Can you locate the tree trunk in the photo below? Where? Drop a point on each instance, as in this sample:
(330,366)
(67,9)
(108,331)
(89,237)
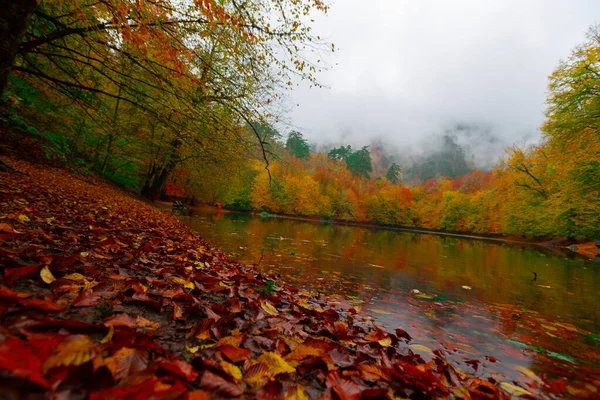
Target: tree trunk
(158,177)
(13,23)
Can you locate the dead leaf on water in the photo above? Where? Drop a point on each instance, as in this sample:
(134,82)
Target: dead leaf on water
(421,348)
(514,390)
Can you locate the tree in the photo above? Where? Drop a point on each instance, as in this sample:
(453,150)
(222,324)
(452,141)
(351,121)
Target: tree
(192,72)
(13,22)
(297,145)
(359,162)
(340,153)
(394,174)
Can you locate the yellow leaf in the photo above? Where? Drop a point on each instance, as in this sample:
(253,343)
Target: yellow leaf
(23,218)
(74,350)
(268,308)
(382,312)
(46,275)
(183,282)
(425,296)
(387,342)
(302,351)
(228,341)
(146,323)
(526,372)
(84,254)
(192,350)
(275,364)
(421,348)
(296,393)
(256,374)
(514,390)
(74,277)
(109,335)
(232,370)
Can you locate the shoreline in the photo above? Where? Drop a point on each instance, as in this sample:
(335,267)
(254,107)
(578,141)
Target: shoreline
(590,251)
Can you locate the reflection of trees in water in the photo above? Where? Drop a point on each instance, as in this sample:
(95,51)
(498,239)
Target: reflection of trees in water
(433,264)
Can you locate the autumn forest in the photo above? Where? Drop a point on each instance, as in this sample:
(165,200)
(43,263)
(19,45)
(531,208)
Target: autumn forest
(112,108)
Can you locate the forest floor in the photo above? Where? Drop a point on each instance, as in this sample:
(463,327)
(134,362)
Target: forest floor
(104,296)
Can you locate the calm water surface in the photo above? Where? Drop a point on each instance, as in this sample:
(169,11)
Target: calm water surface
(472,298)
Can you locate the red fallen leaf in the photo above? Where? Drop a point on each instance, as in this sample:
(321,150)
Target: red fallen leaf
(12,274)
(374,373)
(180,369)
(344,388)
(152,388)
(127,361)
(403,334)
(491,359)
(42,304)
(341,358)
(198,395)
(340,330)
(213,382)
(8,228)
(177,311)
(6,293)
(22,361)
(235,354)
(473,363)
(144,298)
(121,320)
(87,298)
(558,386)
(483,389)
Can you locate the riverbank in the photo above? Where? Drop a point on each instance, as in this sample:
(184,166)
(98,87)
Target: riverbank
(559,246)
(103,296)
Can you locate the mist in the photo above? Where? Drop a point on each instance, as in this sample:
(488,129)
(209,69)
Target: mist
(406,72)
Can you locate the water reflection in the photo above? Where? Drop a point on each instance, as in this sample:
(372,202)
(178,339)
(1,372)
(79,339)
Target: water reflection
(473,298)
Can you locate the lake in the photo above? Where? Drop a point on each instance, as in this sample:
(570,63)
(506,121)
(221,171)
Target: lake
(475,300)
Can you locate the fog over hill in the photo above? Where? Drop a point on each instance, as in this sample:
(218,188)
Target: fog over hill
(407,73)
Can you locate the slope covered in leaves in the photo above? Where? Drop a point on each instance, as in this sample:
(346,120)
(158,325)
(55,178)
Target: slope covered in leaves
(102,296)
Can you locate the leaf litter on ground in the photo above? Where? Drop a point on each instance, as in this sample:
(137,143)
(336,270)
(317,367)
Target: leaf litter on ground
(104,296)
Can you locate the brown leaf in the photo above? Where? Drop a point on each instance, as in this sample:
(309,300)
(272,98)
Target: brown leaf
(127,361)
(344,388)
(215,383)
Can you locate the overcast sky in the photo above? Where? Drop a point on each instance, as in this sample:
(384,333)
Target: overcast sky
(409,68)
